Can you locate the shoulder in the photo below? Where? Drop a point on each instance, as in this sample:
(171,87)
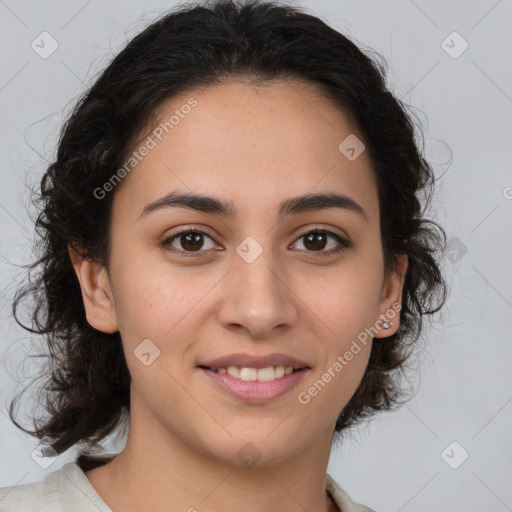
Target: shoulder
(62,490)
(43,496)
(342,499)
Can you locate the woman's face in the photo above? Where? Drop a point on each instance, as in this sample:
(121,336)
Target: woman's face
(248,282)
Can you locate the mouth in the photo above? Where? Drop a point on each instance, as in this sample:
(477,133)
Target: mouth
(254,378)
(251,385)
(250,374)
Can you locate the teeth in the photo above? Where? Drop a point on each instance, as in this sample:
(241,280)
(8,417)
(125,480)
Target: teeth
(248,374)
(233,371)
(262,374)
(268,373)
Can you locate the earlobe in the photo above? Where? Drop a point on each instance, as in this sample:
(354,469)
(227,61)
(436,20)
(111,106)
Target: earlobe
(96,292)
(391,300)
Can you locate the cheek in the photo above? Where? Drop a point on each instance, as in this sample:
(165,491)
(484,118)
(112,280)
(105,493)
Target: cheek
(327,393)
(345,302)
(345,306)
(150,300)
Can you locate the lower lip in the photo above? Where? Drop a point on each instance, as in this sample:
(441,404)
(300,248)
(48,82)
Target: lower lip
(255,391)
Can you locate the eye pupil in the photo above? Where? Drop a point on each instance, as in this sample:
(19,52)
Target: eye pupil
(315,236)
(195,237)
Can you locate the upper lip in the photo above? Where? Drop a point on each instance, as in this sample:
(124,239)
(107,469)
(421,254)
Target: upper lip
(249,361)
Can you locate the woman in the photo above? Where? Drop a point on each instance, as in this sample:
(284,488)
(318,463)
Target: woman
(234,261)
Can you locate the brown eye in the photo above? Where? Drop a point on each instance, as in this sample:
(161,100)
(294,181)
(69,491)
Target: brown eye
(191,241)
(188,240)
(317,240)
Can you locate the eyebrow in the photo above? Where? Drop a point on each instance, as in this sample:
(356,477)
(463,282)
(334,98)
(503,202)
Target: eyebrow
(292,206)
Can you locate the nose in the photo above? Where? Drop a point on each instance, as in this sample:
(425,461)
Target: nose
(258,297)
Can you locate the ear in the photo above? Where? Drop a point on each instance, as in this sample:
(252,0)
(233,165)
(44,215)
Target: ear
(391,299)
(96,292)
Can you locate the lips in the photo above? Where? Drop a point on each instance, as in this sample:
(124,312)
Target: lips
(249,361)
(254,391)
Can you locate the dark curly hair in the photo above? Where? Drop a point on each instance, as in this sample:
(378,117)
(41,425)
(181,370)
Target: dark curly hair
(195,45)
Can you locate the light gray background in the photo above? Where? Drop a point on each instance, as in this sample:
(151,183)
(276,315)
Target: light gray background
(463,384)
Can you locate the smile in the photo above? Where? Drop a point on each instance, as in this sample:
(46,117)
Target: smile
(247,385)
(250,374)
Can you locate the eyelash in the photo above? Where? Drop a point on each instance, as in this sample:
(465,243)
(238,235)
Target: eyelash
(343,243)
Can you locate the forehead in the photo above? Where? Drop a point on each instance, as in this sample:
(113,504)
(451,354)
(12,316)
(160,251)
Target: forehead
(249,141)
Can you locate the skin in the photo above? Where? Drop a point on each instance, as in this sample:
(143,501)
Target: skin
(253,145)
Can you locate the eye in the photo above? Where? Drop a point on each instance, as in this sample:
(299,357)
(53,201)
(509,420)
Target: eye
(317,240)
(192,240)
(189,240)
